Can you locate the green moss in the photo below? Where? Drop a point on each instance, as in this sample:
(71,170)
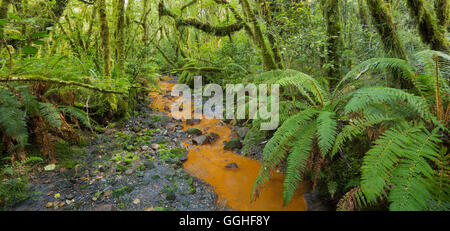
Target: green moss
(122,191)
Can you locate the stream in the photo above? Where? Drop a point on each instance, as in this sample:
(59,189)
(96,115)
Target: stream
(232,185)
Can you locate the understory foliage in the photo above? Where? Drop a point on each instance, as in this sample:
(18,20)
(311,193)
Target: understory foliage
(406,162)
(364,103)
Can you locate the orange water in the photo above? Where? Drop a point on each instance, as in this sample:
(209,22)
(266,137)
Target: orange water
(233,186)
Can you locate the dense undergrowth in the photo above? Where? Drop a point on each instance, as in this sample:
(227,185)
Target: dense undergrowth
(364,104)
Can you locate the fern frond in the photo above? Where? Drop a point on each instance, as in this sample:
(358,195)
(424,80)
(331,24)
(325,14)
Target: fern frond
(357,127)
(276,149)
(13,123)
(380,160)
(411,177)
(374,95)
(326,131)
(386,65)
(305,84)
(297,159)
(51,114)
(12,120)
(77,113)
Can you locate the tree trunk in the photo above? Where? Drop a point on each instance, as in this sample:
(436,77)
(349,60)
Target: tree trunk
(427,25)
(383,22)
(268,60)
(362,10)
(443,12)
(4,14)
(120,37)
(334,41)
(104,34)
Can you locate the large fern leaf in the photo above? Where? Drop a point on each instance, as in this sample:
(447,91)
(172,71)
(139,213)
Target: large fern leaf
(297,159)
(326,131)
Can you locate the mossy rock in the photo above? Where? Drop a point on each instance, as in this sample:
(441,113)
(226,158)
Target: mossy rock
(233,144)
(194,131)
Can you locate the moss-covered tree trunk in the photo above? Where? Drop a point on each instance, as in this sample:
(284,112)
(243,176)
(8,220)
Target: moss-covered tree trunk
(334,41)
(120,37)
(442,8)
(104,34)
(384,23)
(268,7)
(363,16)
(268,60)
(427,25)
(4,14)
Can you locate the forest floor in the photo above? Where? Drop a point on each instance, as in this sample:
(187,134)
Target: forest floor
(133,166)
(138,165)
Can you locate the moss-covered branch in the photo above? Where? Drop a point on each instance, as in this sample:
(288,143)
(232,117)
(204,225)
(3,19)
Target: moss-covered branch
(41,79)
(205,27)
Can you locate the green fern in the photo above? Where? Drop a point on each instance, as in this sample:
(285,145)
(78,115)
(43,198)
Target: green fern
(77,113)
(399,158)
(296,161)
(326,131)
(51,114)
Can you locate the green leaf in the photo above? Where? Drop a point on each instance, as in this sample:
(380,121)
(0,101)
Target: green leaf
(29,50)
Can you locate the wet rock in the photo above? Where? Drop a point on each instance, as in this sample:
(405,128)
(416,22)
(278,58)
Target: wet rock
(105,207)
(145,148)
(129,171)
(136,201)
(192,121)
(156,147)
(242,131)
(170,196)
(194,131)
(136,128)
(233,144)
(183,158)
(231,165)
(149,164)
(212,137)
(199,140)
(69,196)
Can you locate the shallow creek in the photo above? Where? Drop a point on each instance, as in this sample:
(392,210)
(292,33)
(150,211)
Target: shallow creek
(232,185)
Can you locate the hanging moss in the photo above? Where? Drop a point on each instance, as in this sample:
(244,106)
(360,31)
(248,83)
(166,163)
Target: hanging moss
(427,25)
